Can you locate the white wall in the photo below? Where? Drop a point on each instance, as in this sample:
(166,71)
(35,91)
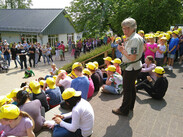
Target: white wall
(78,36)
(45,39)
(11,37)
(63,37)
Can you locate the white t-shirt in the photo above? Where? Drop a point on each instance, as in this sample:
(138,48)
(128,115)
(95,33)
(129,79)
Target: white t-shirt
(49,51)
(54,71)
(82,118)
(117,81)
(162,48)
(66,83)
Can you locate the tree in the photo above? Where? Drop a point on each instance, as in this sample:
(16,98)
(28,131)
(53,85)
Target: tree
(97,16)
(15,4)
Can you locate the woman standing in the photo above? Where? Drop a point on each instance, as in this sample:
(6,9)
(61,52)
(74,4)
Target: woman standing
(132,52)
(44,54)
(6,51)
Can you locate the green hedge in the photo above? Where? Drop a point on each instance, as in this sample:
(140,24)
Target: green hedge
(88,55)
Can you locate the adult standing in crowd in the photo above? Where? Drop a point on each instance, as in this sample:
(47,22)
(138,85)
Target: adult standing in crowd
(49,52)
(132,52)
(14,52)
(32,51)
(6,51)
(69,45)
(22,54)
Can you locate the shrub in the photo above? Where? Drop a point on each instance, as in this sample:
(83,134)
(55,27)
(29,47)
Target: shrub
(89,55)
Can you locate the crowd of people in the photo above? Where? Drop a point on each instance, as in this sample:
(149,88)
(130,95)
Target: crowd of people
(25,52)
(138,65)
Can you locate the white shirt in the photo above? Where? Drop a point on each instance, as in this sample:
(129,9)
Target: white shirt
(82,118)
(66,83)
(162,48)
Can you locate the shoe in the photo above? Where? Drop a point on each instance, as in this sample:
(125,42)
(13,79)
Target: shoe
(170,68)
(167,66)
(119,112)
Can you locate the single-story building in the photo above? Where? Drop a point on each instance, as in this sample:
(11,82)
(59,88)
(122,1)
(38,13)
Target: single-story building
(36,25)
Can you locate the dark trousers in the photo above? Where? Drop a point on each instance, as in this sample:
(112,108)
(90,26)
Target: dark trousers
(129,91)
(23,61)
(149,88)
(142,76)
(32,58)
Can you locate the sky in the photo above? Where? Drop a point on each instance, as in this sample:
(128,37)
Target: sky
(50,3)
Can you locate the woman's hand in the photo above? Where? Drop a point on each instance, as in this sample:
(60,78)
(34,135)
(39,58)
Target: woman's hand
(57,119)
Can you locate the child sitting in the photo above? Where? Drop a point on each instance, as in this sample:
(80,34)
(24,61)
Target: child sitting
(114,81)
(87,73)
(147,68)
(116,62)
(28,73)
(155,89)
(12,120)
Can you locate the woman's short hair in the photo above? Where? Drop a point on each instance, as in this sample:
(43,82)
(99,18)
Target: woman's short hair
(130,22)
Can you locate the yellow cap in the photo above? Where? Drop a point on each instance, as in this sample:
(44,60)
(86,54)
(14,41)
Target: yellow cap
(76,64)
(51,83)
(176,32)
(179,29)
(111,68)
(163,38)
(158,32)
(117,39)
(35,87)
(3,100)
(9,111)
(108,59)
(160,35)
(167,36)
(86,71)
(141,31)
(159,70)
(124,37)
(91,66)
(13,93)
(156,35)
(61,71)
(96,64)
(73,73)
(55,77)
(116,60)
(146,36)
(42,82)
(169,32)
(69,93)
(151,36)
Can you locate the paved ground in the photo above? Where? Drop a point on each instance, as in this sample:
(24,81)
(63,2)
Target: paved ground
(150,118)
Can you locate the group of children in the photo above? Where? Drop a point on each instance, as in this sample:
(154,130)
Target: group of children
(72,90)
(163,46)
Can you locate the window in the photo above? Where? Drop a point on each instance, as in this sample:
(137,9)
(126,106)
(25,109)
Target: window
(70,36)
(29,38)
(52,39)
